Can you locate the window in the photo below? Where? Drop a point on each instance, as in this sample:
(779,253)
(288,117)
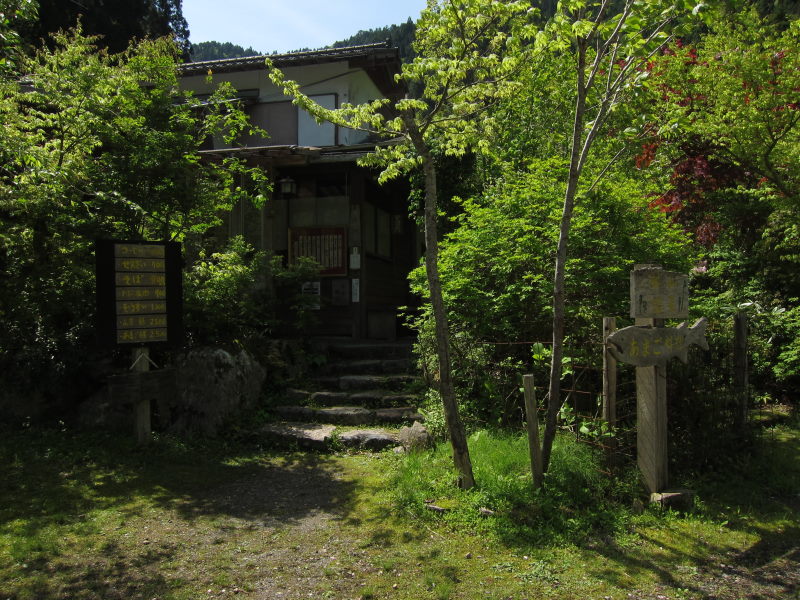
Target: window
(311,133)
(377,231)
(320,202)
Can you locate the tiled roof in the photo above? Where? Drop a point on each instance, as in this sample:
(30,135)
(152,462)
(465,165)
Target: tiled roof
(308,153)
(380,50)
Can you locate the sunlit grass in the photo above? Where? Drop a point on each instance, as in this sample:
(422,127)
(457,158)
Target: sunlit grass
(96,517)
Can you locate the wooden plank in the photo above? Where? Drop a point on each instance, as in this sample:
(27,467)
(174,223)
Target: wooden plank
(647,346)
(532,421)
(140,250)
(740,369)
(651,422)
(658,294)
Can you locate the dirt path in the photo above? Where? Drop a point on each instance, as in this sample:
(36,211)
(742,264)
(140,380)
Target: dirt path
(315,526)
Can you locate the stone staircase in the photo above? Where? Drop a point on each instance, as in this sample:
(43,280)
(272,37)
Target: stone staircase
(358,399)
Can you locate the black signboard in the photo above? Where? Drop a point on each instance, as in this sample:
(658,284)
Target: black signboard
(139,292)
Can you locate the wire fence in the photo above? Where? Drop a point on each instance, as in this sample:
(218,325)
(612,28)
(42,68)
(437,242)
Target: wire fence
(701,403)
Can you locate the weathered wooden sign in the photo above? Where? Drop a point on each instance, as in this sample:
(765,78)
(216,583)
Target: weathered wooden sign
(138,292)
(659,294)
(650,346)
(655,295)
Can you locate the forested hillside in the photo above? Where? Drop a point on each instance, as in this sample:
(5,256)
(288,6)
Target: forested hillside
(117,23)
(218,50)
(399,36)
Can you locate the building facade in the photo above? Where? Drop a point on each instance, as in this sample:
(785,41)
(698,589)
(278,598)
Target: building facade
(323,205)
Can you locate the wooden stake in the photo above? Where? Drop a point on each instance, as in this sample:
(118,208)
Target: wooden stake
(740,374)
(609,375)
(532,420)
(141,364)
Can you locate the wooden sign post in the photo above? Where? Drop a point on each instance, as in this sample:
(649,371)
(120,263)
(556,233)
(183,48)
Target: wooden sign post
(139,305)
(655,296)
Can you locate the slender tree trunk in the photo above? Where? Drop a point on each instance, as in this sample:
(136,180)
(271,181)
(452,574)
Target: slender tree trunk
(455,428)
(556,365)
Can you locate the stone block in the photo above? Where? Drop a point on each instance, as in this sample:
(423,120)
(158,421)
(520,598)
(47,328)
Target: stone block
(416,437)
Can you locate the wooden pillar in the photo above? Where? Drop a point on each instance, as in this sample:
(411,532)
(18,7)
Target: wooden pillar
(740,370)
(532,421)
(609,375)
(141,364)
(356,189)
(651,421)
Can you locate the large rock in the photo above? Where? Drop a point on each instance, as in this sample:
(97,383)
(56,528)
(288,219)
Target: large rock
(415,437)
(212,385)
(205,388)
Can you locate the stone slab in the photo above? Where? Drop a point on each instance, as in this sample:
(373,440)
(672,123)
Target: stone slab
(369,439)
(382,398)
(346,415)
(374,366)
(328,398)
(314,436)
(369,382)
(295,413)
(402,414)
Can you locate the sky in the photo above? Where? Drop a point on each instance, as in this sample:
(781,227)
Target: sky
(286,25)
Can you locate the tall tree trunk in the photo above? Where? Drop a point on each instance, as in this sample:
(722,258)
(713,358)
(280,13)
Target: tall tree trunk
(455,427)
(556,364)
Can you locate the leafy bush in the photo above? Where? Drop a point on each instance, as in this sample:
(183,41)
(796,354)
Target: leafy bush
(496,271)
(239,294)
(88,152)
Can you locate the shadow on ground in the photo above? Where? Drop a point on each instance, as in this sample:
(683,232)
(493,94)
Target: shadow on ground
(758,497)
(60,492)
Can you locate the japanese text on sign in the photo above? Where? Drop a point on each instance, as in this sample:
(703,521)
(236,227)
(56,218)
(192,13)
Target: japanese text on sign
(138,292)
(140,278)
(657,294)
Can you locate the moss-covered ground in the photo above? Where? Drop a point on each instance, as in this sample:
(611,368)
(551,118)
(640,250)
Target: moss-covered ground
(93,516)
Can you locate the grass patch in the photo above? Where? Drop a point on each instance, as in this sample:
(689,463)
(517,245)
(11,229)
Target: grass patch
(92,516)
(578,501)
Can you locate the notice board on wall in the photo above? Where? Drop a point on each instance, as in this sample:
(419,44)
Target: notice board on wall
(326,245)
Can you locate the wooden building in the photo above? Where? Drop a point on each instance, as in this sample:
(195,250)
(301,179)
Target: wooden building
(324,205)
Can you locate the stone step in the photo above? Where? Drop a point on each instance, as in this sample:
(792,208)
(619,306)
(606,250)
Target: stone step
(368,439)
(381,399)
(374,366)
(365,382)
(308,436)
(315,436)
(349,415)
(369,350)
(366,398)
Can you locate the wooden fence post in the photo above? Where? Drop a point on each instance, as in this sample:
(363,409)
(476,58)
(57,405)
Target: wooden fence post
(609,375)
(532,421)
(141,364)
(740,369)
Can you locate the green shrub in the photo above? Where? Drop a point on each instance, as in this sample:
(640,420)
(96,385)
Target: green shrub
(240,293)
(496,272)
